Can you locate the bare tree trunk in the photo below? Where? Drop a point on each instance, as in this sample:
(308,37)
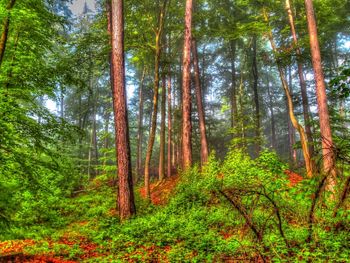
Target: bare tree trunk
(296,124)
(162,131)
(325,128)
(126,204)
(256,97)
(186,89)
(291,129)
(273,127)
(233,95)
(6,27)
(106,139)
(140,126)
(170,141)
(152,134)
(201,112)
(305,100)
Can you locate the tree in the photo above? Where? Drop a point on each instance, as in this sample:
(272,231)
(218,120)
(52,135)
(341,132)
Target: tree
(199,98)
(325,128)
(126,205)
(186,89)
(305,100)
(152,134)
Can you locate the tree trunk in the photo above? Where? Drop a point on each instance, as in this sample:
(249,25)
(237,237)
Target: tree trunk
(325,128)
(6,27)
(170,141)
(152,133)
(297,126)
(256,97)
(162,131)
(305,100)
(140,127)
(201,112)
(186,89)
(126,205)
(233,95)
(273,127)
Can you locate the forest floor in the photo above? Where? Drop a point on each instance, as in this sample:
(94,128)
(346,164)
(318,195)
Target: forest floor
(72,244)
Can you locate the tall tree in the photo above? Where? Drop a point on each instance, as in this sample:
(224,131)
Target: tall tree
(256,93)
(305,100)
(162,130)
(170,137)
(152,135)
(325,128)
(186,89)
(293,119)
(140,126)
(199,98)
(126,204)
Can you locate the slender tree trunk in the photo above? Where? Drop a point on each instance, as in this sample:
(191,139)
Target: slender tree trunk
(305,100)
(152,133)
(201,111)
(291,130)
(162,131)
(140,127)
(95,144)
(6,28)
(325,128)
(256,97)
(233,97)
(170,141)
(126,204)
(273,127)
(106,139)
(297,126)
(186,89)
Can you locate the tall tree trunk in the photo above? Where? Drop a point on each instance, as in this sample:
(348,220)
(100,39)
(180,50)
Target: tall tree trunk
(170,141)
(291,129)
(161,169)
(256,96)
(186,89)
(126,204)
(273,127)
(6,27)
(140,127)
(152,133)
(296,124)
(233,95)
(201,112)
(106,139)
(305,100)
(325,128)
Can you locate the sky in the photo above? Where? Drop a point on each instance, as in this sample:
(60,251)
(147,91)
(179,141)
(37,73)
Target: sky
(77,6)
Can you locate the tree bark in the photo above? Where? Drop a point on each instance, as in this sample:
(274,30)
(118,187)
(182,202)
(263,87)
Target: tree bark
(201,111)
(296,124)
(170,141)
(325,128)
(256,97)
(126,204)
(140,126)
(233,95)
(6,28)
(273,127)
(186,89)
(152,133)
(162,131)
(304,97)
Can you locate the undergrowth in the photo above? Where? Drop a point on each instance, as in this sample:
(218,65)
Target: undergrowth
(240,208)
